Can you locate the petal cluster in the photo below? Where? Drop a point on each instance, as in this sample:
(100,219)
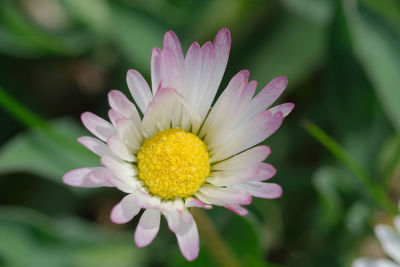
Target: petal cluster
(390,240)
(182,91)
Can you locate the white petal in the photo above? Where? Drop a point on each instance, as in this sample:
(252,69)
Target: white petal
(104,174)
(364,262)
(192,72)
(193,202)
(81,178)
(397,223)
(216,63)
(217,123)
(173,219)
(167,109)
(261,172)
(171,70)
(119,148)
(95,145)
(125,210)
(155,69)
(262,190)
(101,128)
(119,102)
(139,89)
(253,132)
(246,159)
(226,195)
(267,96)
(188,240)
(147,228)
(114,116)
(130,134)
(390,241)
(171,41)
(239,210)
(285,108)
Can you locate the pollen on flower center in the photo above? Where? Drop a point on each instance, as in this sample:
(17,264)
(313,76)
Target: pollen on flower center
(173,163)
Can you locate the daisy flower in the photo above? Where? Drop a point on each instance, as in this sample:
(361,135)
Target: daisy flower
(181,153)
(390,240)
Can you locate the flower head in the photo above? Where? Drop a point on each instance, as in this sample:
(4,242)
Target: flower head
(182,153)
(390,240)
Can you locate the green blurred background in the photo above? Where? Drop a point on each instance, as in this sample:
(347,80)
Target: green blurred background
(59,58)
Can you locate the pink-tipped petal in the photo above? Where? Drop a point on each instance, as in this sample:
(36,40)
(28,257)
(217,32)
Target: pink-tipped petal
(101,128)
(114,116)
(226,194)
(188,240)
(171,69)
(147,228)
(139,89)
(81,178)
(173,219)
(246,159)
(119,148)
(155,69)
(195,203)
(94,145)
(171,41)
(268,95)
(285,108)
(119,102)
(262,190)
(129,133)
(250,134)
(239,210)
(125,210)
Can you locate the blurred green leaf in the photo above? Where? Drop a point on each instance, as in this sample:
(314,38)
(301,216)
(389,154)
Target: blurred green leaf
(374,190)
(293,49)
(20,37)
(35,153)
(377,46)
(317,11)
(28,238)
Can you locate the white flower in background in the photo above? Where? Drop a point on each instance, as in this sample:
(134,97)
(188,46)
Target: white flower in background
(390,240)
(184,154)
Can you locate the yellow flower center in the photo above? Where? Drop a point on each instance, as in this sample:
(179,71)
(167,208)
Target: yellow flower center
(173,163)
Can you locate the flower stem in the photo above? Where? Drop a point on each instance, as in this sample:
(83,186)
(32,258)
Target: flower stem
(216,247)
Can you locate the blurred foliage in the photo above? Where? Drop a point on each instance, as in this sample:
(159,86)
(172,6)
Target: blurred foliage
(342,58)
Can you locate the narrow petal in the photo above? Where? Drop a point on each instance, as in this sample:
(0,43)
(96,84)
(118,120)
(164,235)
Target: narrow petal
(95,145)
(171,70)
(188,240)
(130,134)
(217,123)
(81,178)
(139,89)
(250,134)
(125,210)
(267,96)
(262,190)
(171,41)
(246,159)
(364,262)
(147,228)
(155,69)
(104,174)
(114,116)
(173,219)
(226,195)
(195,203)
(239,210)
(101,128)
(192,71)
(119,148)
(260,172)
(168,108)
(390,241)
(285,108)
(119,102)
(118,166)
